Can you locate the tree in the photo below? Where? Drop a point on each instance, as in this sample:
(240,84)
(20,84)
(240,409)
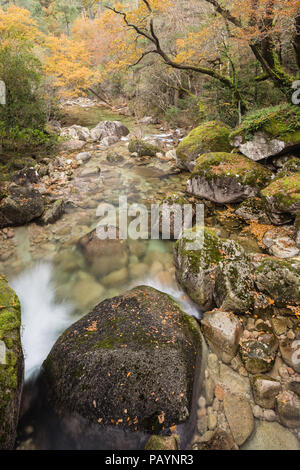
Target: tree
(259,24)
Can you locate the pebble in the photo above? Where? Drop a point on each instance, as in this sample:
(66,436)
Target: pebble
(269,415)
(212,421)
(201,403)
(291,335)
(257,412)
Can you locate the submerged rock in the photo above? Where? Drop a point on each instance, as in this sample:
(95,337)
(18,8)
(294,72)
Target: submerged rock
(20,205)
(271,436)
(268,132)
(53,212)
(11,365)
(227,177)
(131,357)
(239,416)
(162,443)
(265,390)
(288,408)
(209,137)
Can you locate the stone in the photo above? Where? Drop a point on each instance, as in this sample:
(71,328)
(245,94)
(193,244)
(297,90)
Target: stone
(258,356)
(280,280)
(233,382)
(268,132)
(142,148)
(209,137)
(219,440)
(212,421)
(106,129)
(265,390)
(279,325)
(253,209)
(288,409)
(279,242)
(114,157)
(131,357)
(197,262)
(53,212)
(72,145)
(271,436)
(239,416)
(84,156)
(11,365)
(115,278)
(223,331)
(76,132)
(290,352)
(226,178)
(20,206)
(297,230)
(282,199)
(209,386)
(162,443)
(103,256)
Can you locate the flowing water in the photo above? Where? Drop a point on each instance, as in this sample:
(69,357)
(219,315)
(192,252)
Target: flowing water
(55,283)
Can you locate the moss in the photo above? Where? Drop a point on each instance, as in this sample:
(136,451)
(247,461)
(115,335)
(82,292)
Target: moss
(281,122)
(211,136)
(285,190)
(142,148)
(232,165)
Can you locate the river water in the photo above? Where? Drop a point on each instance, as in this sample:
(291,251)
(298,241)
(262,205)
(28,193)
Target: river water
(55,283)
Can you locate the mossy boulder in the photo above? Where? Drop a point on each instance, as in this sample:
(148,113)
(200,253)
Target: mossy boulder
(212,136)
(142,148)
(11,364)
(214,272)
(279,280)
(162,443)
(20,206)
(253,209)
(132,357)
(282,198)
(227,178)
(268,132)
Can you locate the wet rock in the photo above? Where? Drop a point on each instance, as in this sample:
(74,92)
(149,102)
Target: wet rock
(142,148)
(280,280)
(265,389)
(297,230)
(53,212)
(197,262)
(258,138)
(271,436)
(288,409)
(162,443)
(103,256)
(227,178)
(280,243)
(223,331)
(279,325)
(239,416)
(27,176)
(106,129)
(76,132)
(218,440)
(114,157)
(170,217)
(208,137)
(258,356)
(115,278)
(131,357)
(282,199)
(20,206)
(11,365)
(290,352)
(233,382)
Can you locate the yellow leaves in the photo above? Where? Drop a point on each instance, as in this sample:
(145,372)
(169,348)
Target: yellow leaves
(16,25)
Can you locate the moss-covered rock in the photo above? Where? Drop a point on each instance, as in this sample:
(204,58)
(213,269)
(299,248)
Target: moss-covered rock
(297,230)
(253,209)
(268,132)
(280,280)
(11,364)
(227,177)
(142,148)
(282,198)
(131,357)
(265,389)
(214,272)
(162,443)
(211,136)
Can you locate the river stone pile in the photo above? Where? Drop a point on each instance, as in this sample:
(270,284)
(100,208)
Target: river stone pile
(130,358)
(11,365)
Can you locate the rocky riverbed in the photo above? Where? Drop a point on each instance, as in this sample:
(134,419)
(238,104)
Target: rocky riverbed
(232,363)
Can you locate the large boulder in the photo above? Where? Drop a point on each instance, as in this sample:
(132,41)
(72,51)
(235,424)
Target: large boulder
(279,280)
(76,132)
(11,365)
(103,256)
(19,206)
(214,272)
(106,129)
(227,178)
(132,358)
(282,199)
(209,137)
(268,132)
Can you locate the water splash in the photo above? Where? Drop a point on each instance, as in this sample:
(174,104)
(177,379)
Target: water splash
(43,318)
